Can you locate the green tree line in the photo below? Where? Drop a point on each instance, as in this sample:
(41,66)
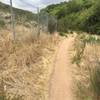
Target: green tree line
(77,15)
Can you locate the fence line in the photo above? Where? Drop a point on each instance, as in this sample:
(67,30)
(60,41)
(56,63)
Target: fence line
(24,23)
(12,19)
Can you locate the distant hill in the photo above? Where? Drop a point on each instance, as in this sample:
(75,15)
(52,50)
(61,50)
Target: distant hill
(21,16)
(77,15)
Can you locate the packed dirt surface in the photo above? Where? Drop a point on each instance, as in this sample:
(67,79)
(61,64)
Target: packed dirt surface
(61,78)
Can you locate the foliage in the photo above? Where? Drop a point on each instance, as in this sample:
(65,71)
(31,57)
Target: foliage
(80,45)
(87,76)
(52,24)
(2,23)
(77,15)
(81,41)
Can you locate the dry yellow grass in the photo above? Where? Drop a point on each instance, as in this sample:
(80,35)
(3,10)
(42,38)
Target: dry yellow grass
(24,66)
(86,74)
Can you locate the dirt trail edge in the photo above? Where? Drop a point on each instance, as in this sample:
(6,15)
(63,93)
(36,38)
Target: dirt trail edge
(61,78)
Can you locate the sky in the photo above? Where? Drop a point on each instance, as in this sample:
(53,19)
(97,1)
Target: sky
(31,5)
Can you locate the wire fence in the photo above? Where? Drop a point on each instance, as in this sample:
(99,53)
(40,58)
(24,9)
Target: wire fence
(23,23)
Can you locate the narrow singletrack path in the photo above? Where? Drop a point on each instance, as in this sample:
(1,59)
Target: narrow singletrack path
(61,78)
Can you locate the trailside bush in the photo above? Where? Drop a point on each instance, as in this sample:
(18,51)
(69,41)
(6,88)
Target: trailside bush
(52,25)
(2,23)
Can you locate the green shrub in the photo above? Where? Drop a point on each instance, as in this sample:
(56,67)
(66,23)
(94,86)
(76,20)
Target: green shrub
(2,98)
(87,85)
(2,23)
(95,81)
(52,24)
(80,44)
(63,34)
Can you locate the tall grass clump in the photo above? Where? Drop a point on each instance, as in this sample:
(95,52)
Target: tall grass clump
(87,71)
(80,44)
(2,23)
(24,67)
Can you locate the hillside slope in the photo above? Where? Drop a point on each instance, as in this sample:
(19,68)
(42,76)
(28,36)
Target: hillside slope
(77,15)
(21,16)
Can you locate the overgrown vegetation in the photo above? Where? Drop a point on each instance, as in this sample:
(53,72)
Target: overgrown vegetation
(21,16)
(2,23)
(24,67)
(77,15)
(52,24)
(87,70)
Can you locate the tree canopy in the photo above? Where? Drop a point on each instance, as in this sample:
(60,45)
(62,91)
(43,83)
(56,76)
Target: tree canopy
(77,15)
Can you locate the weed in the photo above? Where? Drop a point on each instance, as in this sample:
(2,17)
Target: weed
(87,76)
(24,66)
(2,23)
(80,44)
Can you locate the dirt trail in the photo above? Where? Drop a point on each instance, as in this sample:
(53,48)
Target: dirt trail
(61,79)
